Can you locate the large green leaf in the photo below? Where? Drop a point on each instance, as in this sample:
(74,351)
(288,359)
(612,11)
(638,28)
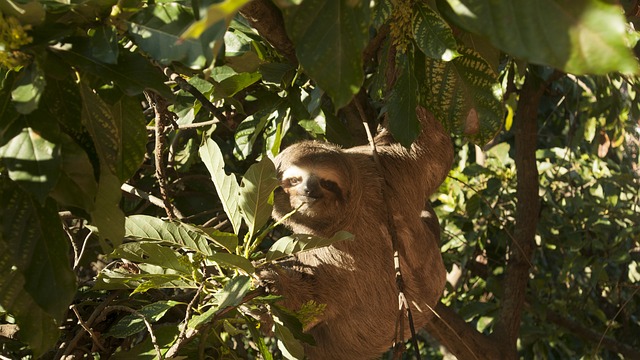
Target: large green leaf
(157,29)
(579,36)
(130,122)
(76,185)
(101,124)
(256,200)
(32,161)
(403,121)
(295,243)
(173,233)
(37,284)
(108,216)
(226,185)
(330,36)
(432,34)
(465,94)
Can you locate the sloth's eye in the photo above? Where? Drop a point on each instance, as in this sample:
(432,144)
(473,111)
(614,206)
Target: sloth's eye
(294,181)
(330,185)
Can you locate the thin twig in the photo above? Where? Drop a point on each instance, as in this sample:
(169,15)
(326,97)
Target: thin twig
(184,85)
(64,351)
(159,105)
(86,328)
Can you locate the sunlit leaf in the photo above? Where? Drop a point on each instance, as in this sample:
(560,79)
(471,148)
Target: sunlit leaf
(174,233)
(226,185)
(256,200)
(568,35)
(221,12)
(464,93)
(28,89)
(32,161)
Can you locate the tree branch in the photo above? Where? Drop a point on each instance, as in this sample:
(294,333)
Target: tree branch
(265,17)
(527,212)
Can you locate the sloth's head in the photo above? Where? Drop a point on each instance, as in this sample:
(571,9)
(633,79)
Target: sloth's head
(315,178)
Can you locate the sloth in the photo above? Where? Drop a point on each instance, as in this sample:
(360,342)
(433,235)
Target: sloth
(342,189)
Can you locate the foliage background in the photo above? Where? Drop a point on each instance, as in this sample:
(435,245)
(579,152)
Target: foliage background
(135,179)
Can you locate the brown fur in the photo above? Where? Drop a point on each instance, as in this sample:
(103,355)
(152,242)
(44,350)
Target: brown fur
(355,279)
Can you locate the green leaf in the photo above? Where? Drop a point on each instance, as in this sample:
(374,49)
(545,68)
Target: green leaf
(174,233)
(34,263)
(157,28)
(32,161)
(133,73)
(249,131)
(104,44)
(295,243)
(568,35)
(233,292)
(101,124)
(108,216)
(231,295)
(590,129)
(256,200)
(403,120)
(114,280)
(133,324)
(226,185)
(234,84)
(465,94)
(432,34)
(155,253)
(76,185)
(217,13)
(330,36)
(130,123)
(290,347)
(28,89)
(233,260)
(228,241)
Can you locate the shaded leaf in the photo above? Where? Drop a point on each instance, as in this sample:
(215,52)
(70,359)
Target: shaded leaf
(76,185)
(295,243)
(432,34)
(130,122)
(34,263)
(401,108)
(330,36)
(133,73)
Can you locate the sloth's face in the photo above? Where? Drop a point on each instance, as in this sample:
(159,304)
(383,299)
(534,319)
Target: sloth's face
(314,191)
